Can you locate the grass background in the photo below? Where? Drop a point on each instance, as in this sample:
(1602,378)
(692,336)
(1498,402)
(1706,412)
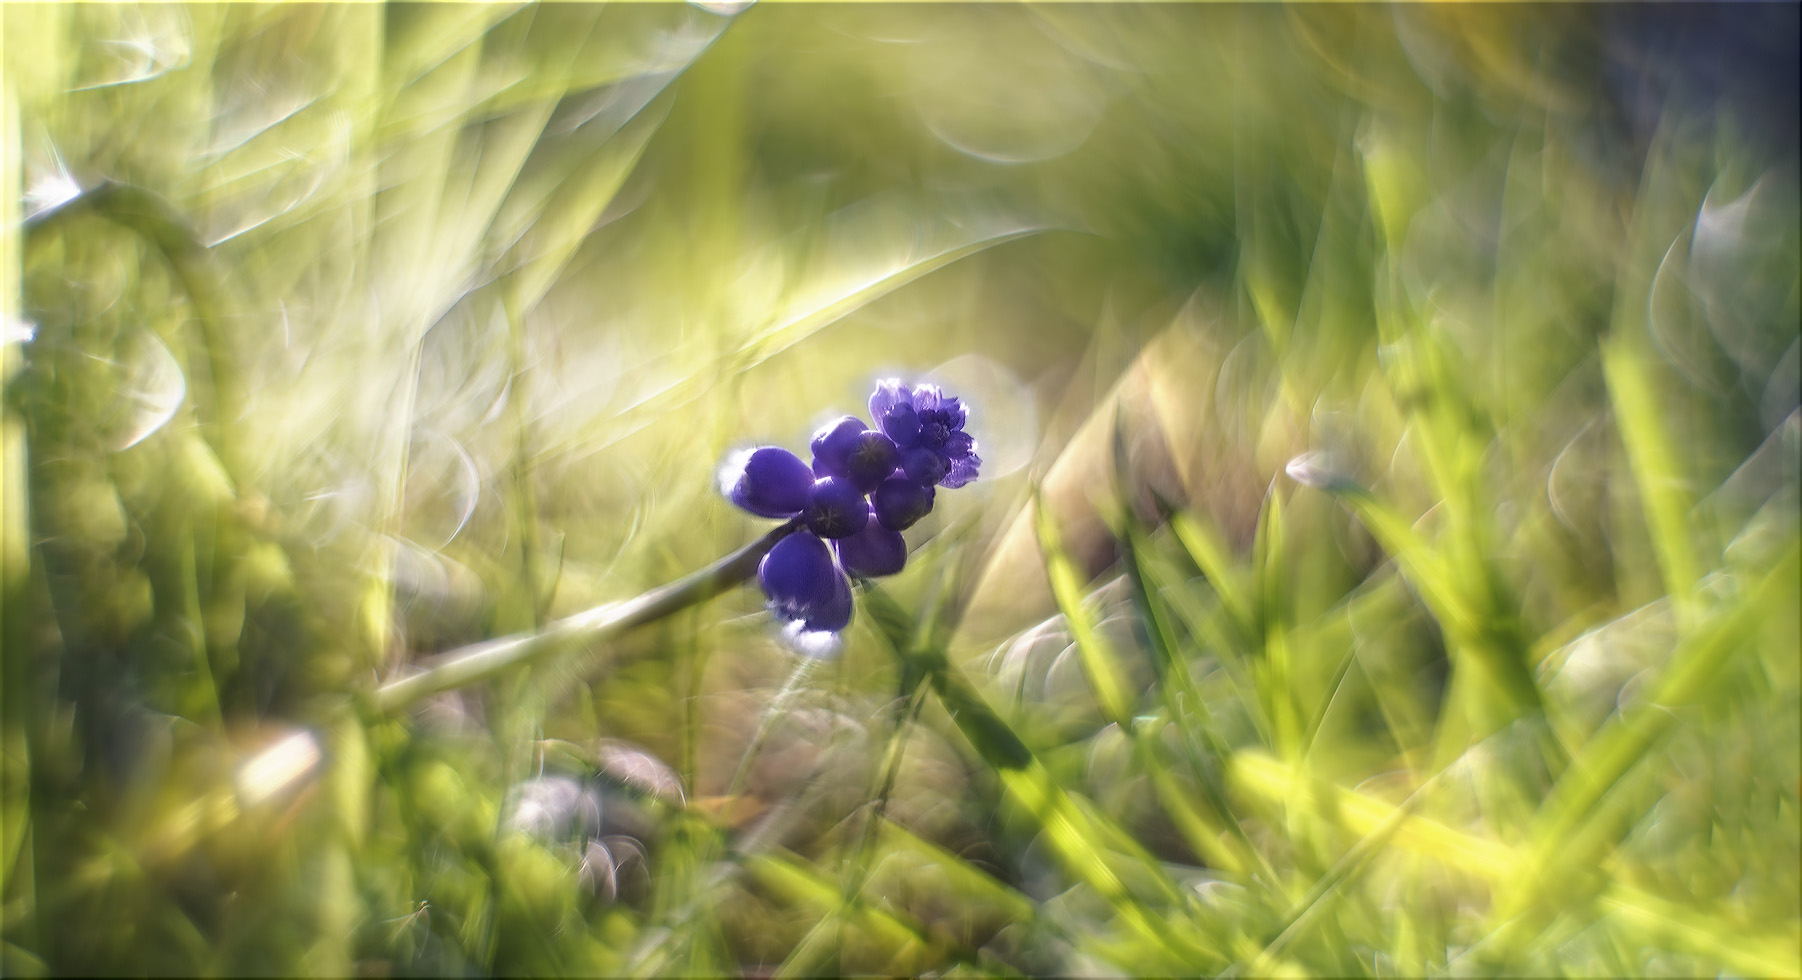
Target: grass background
(1386,560)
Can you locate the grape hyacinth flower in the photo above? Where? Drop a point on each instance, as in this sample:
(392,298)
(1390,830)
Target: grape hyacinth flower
(928,429)
(864,487)
(835,508)
(872,552)
(899,502)
(768,481)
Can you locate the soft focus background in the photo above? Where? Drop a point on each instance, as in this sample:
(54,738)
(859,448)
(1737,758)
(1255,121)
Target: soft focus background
(1385,562)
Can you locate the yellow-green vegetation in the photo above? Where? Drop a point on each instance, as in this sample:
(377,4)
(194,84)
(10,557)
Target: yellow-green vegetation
(1385,559)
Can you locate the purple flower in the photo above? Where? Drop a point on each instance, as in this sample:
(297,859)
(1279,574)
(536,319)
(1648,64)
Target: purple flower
(800,575)
(832,445)
(928,429)
(806,588)
(767,481)
(848,450)
(925,467)
(866,484)
(873,551)
(900,502)
(836,508)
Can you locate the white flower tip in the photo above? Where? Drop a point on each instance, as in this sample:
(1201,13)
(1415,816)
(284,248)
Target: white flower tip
(812,644)
(733,470)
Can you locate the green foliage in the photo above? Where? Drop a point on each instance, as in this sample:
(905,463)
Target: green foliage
(1385,562)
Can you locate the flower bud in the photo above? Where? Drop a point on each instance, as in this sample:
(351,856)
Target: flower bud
(767,481)
(833,444)
(900,503)
(872,459)
(925,466)
(806,589)
(873,551)
(836,508)
(798,576)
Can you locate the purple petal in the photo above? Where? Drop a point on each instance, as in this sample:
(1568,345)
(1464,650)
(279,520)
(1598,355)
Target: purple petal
(899,503)
(962,472)
(798,576)
(835,614)
(925,466)
(959,444)
(833,443)
(807,590)
(871,460)
(836,508)
(955,413)
(873,551)
(933,430)
(890,395)
(901,425)
(926,398)
(768,481)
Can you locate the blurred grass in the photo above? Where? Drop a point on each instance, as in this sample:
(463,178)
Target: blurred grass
(1386,560)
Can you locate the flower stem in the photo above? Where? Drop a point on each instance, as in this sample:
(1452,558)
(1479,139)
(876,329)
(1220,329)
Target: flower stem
(490,658)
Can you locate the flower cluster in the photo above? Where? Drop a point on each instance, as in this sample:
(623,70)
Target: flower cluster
(866,485)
